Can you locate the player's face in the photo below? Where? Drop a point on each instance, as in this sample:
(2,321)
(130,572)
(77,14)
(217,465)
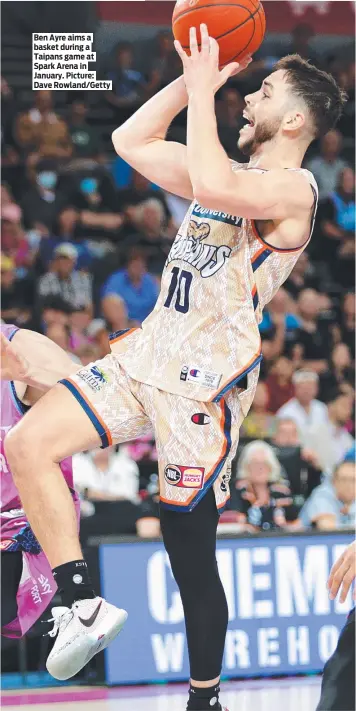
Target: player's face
(265,110)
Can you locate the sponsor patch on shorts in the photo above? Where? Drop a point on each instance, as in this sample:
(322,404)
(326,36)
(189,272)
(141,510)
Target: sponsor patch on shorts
(205,378)
(94,377)
(184,477)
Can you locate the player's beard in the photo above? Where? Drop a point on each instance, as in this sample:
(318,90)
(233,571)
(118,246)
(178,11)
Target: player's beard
(264,133)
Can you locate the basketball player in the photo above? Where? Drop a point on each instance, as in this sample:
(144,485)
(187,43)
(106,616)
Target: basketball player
(338,686)
(30,365)
(191,370)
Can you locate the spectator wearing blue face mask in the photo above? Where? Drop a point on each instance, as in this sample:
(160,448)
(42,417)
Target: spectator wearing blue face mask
(42,203)
(98,219)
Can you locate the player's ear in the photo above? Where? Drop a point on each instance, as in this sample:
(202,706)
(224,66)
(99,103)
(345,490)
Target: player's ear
(294,121)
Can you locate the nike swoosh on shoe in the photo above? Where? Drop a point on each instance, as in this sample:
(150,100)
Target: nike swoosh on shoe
(90,621)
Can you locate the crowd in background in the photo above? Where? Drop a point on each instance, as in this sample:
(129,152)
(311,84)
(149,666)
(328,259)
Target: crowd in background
(84,243)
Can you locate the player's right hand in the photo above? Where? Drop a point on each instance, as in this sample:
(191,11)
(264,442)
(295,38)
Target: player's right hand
(343,573)
(13,365)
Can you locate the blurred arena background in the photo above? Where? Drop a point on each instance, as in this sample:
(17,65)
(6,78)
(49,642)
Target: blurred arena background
(84,242)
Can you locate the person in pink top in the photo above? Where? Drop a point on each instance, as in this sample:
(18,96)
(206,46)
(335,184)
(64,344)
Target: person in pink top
(30,365)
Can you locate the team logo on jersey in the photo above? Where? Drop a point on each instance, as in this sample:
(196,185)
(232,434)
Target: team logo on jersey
(225,480)
(200,418)
(94,377)
(184,477)
(206,258)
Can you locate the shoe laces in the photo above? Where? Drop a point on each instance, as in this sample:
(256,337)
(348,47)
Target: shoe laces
(59,621)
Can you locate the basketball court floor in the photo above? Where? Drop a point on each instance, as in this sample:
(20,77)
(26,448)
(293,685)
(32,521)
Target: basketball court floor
(264,695)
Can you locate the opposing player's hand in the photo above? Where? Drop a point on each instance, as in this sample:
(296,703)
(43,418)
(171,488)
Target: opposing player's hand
(343,573)
(13,365)
(201,69)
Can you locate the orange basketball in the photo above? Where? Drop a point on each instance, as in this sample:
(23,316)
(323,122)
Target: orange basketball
(239,27)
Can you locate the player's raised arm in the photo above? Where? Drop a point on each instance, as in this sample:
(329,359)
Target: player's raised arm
(141,141)
(34,362)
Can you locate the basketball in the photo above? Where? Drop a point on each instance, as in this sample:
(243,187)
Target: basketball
(239,27)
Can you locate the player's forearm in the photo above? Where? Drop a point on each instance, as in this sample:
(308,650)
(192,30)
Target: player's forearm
(208,164)
(45,377)
(152,120)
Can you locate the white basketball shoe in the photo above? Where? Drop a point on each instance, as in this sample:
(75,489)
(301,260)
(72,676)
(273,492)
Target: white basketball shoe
(83,630)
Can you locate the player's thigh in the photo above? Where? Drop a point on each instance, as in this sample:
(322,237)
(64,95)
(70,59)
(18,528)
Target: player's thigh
(195,442)
(94,407)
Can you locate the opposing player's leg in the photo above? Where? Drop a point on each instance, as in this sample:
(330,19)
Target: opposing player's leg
(92,408)
(338,685)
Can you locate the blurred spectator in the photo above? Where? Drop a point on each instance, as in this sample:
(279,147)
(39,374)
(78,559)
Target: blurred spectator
(42,202)
(332,504)
(9,208)
(60,334)
(286,438)
(98,219)
(337,218)
(98,335)
(348,322)
(279,324)
(328,166)
(259,423)
(312,335)
(279,384)
(106,475)
(304,408)
(14,242)
(301,277)
(164,67)
(108,479)
(148,520)
(229,110)
(128,85)
(41,132)
(64,280)
(151,238)
(16,294)
(339,373)
(115,313)
(8,111)
(330,438)
(302,35)
(85,138)
(140,190)
(55,310)
(137,288)
(261,498)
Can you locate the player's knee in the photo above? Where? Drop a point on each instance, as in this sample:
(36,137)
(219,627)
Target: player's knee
(23,446)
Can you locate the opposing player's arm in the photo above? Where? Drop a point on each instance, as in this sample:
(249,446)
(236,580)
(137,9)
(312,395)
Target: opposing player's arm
(34,363)
(140,141)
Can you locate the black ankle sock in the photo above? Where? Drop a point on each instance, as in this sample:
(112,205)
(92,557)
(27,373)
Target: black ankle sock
(73,582)
(201,699)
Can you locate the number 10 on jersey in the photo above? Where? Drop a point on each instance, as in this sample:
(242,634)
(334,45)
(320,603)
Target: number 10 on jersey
(179,287)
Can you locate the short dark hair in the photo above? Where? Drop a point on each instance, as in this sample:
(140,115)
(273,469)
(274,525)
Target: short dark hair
(322,95)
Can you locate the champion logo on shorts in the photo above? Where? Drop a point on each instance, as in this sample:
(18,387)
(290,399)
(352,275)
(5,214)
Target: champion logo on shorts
(184,477)
(200,418)
(94,377)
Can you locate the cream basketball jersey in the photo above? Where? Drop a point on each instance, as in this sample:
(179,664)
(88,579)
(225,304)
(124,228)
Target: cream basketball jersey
(202,337)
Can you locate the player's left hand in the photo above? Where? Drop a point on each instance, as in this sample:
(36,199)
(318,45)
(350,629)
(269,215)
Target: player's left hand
(13,365)
(343,573)
(201,69)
